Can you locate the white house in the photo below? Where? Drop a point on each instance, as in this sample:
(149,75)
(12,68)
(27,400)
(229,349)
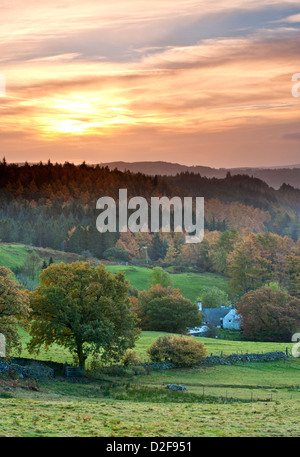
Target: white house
(223,317)
(232,320)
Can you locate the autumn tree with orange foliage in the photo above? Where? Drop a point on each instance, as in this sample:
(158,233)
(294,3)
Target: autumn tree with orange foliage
(269,314)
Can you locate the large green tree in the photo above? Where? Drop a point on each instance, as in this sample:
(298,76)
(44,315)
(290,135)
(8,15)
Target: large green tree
(165,309)
(14,307)
(86,309)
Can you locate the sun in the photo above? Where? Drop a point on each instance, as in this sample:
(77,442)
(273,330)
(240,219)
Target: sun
(81,115)
(71,126)
(68,116)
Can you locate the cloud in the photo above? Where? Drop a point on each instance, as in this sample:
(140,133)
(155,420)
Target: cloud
(294,19)
(93,75)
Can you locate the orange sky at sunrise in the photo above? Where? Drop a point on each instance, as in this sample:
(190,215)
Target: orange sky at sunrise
(193,82)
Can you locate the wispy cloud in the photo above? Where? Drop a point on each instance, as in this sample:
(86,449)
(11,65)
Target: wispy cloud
(112,76)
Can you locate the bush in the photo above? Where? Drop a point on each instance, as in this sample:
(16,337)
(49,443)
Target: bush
(212,332)
(178,350)
(130,358)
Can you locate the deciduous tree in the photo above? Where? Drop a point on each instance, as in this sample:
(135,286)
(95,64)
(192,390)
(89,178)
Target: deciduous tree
(160,276)
(85,309)
(165,309)
(269,314)
(213,297)
(14,307)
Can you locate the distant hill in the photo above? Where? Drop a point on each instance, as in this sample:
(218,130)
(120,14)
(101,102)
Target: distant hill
(273,176)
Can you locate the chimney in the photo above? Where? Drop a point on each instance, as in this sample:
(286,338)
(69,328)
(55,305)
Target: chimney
(199,303)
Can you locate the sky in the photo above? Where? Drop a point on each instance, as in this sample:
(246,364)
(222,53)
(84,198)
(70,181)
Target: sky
(191,82)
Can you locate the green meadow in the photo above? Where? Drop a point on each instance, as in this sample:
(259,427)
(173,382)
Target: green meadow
(256,400)
(57,353)
(190,284)
(244,399)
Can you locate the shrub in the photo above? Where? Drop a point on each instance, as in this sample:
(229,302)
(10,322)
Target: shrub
(130,358)
(178,350)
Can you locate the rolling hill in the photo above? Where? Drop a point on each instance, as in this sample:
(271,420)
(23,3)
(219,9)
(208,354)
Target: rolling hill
(273,176)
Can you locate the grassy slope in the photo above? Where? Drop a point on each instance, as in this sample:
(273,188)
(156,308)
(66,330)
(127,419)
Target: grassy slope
(13,255)
(190,284)
(141,406)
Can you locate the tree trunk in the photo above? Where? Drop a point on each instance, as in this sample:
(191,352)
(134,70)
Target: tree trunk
(80,354)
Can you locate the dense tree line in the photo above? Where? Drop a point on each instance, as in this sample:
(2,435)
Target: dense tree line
(54,205)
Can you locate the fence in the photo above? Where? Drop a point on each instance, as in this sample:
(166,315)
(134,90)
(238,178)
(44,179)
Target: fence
(71,371)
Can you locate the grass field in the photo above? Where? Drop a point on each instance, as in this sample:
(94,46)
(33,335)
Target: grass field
(70,417)
(76,417)
(244,399)
(215,346)
(265,403)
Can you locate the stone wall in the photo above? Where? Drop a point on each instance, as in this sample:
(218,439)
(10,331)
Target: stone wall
(31,369)
(225,360)
(253,357)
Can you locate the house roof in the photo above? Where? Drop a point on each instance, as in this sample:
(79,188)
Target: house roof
(213,316)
